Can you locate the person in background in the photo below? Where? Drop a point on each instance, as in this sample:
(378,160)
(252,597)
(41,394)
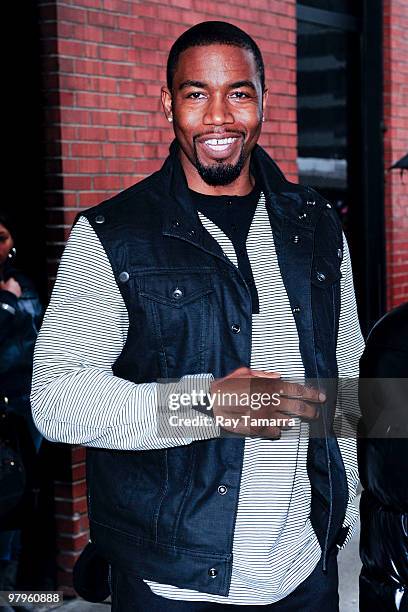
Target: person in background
(383,464)
(20,317)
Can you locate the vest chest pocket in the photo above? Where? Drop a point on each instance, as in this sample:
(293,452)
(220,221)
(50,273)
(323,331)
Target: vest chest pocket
(325,271)
(177,314)
(174,290)
(325,279)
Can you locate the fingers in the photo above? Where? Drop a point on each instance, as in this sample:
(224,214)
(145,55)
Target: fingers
(297,391)
(298,408)
(262,374)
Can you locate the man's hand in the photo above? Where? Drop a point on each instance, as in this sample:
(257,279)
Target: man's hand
(11,285)
(269,398)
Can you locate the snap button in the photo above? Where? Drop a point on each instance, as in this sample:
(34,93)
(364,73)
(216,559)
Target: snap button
(320,276)
(222,489)
(295,239)
(99,219)
(296,309)
(339,253)
(177,294)
(303,216)
(124,277)
(213,572)
(235,328)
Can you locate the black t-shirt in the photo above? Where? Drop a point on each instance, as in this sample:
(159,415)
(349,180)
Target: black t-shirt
(233,215)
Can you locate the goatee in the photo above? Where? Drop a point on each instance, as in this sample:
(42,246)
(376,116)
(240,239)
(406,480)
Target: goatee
(220,173)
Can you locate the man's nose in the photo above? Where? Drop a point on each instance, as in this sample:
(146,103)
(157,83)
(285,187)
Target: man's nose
(218,112)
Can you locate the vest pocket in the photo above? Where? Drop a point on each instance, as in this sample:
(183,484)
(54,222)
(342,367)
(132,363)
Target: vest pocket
(177,314)
(325,271)
(326,275)
(174,290)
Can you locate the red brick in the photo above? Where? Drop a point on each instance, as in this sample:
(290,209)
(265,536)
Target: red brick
(107,182)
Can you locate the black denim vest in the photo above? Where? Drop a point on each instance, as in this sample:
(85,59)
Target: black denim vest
(159,513)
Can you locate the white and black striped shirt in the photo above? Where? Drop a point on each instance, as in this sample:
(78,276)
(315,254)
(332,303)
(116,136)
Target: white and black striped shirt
(76,399)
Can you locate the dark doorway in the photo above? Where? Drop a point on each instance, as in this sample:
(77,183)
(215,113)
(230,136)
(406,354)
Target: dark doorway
(339,127)
(24,151)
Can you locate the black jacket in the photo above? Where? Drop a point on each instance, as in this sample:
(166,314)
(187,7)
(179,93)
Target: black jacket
(383,464)
(19,324)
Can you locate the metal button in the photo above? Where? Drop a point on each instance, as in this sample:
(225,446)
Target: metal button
(99,219)
(228,202)
(222,489)
(339,253)
(303,216)
(295,239)
(177,294)
(311,202)
(235,328)
(296,309)
(320,276)
(124,277)
(213,572)
(328,205)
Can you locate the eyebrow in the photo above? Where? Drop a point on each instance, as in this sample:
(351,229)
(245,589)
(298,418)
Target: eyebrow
(243,84)
(201,85)
(189,83)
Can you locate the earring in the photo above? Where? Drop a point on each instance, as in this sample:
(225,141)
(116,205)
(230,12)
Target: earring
(263,117)
(12,253)
(170,119)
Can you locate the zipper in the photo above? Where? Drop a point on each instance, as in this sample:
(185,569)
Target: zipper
(329,521)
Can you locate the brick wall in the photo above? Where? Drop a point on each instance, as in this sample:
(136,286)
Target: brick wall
(395,146)
(104,62)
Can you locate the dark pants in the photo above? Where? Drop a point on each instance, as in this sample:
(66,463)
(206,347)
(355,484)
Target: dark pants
(318,593)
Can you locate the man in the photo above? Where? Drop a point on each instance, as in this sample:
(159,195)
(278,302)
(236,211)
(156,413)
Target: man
(214,274)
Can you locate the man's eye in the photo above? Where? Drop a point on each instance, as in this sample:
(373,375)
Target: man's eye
(196,95)
(240,95)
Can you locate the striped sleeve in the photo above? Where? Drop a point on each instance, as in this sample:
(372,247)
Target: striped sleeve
(350,346)
(75,397)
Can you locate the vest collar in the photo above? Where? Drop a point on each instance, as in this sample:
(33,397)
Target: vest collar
(180,219)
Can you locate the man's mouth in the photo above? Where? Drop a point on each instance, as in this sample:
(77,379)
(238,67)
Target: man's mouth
(219,147)
(219,144)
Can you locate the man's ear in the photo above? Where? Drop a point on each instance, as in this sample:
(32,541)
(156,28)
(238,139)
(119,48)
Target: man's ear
(264,99)
(166,101)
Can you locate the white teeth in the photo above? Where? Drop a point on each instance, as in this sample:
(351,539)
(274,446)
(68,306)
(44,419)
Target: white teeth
(219,141)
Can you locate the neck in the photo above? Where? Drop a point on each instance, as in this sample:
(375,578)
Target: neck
(241,186)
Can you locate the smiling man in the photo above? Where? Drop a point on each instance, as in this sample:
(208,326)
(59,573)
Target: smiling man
(217,276)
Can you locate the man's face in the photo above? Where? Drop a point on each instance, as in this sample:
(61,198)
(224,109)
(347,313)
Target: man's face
(217,105)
